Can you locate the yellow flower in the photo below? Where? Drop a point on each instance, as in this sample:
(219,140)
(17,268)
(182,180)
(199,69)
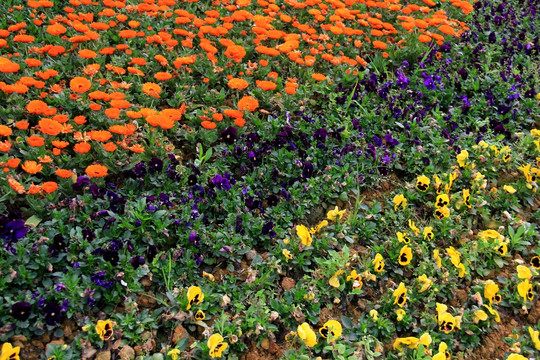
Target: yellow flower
(493,312)
(428,233)
(332,214)
(400,295)
(490,234)
(195,296)
(437,184)
(437,258)
(461,270)
(491,292)
(442,201)
(442,213)
(356,278)
(199,315)
(174,354)
(378,263)
(287,254)
(309,296)
(425,340)
(525,290)
(447,322)
(405,255)
(535,133)
(319,226)
(462,157)
(304,235)
(9,352)
(502,248)
(334,281)
(216,345)
(402,237)
(331,330)
(523,272)
(413,227)
(509,189)
(516,357)
(442,354)
(455,256)
(422,183)
(426,283)
(307,334)
(483,144)
(506,153)
(526,171)
(479,315)
(400,314)
(104,329)
(410,341)
(208,276)
(286,241)
(535,262)
(535,337)
(374,314)
(467,197)
(400,203)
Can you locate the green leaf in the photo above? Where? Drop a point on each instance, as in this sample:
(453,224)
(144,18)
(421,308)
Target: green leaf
(33,221)
(347,323)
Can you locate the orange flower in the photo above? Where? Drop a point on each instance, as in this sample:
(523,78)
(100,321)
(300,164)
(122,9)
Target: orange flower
(100,135)
(248,103)
(266,85)
(5,146)
(35,141)
(424,38)
(151,89)
(50,127)
(446,29)
(49,187)
(87,54)
(36,107)
(45,159)
(32,167)
(60,144)
(137,148)
(63,173)
(379,45)
(96,171)
(233,113)
(13,163)
(80,85)
(240,122)
(318,77)
(56,29)
(110,147)
(15,185)
(5,130)
(239,84)
(162,76)
(208,124)
(235,52)
(34,189)
(22,125)
(82,147)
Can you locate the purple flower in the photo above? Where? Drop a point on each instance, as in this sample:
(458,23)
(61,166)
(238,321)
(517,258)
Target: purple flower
(82,181)
(139,169)
(229,135)
(15,230)
(53,313)
(194,239)
(21,310)
(155,165)
(137,261)
(59,287)
(222,183)
(268,229)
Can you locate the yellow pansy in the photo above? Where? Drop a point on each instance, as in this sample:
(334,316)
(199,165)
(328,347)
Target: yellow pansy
(356,279)
(195,296)
(437,184)
(526,171)
(426,283)
(405,255)
(199,315)
(437,258)
(104,329)
(509,189)
(8,352)
(516,357)
(535,337)
(447,322)
(462,157)
(400,295)
(411,342)
(525,290)
(491,292)
(461,270)
(400,314)
(332,214)
(174,354)
(334,281)
(216,346)
(331,330)
(523,272)
(287,254)
(490,234)
(493,312)
(502,248)
(442,213)
(413,227)
(306,333)
(467,197)
(304,235)
(455,256)
(402,237)
(319,226)
(374,314)
(479,315)
(442,354)
(442,201)
(400,203)
(422,183)
(428,233)
(378,263)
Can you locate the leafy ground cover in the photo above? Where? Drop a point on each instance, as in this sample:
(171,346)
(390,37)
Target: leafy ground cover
(271,179)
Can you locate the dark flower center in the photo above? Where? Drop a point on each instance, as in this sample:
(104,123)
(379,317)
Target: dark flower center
(403,258)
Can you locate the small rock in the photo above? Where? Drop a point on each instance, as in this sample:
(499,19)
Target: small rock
(250,255)
(45,338)
(146,282)
(265,344)
(17,344)
(103,355)
(287,283)
(148,346)
(138,350)
(127,353)
(38,344)
(179,334)
(88,352)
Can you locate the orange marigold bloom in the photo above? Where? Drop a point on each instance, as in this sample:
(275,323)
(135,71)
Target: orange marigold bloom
(79,120)
(50,127)
(113,113)
(33,62)
(208,125)
(45,159)
(233,113)
(151,89)
(266,85)
(87,54)
(82,147)
(32,167)
(162,76)
(240,122)
(239,84)
(100,135)
(110,147)
(22,125)
(63,173)
(56,29)
(248,103)
(15,185)
(424,38)
(13,163)
(49,187)
(5,130)
(318,77)
(137,148)
(60,144)
(5,146)
(36,107)
(235,52)
(80,85)
(96,170)
(35,141)
(446,29)
(379,45)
